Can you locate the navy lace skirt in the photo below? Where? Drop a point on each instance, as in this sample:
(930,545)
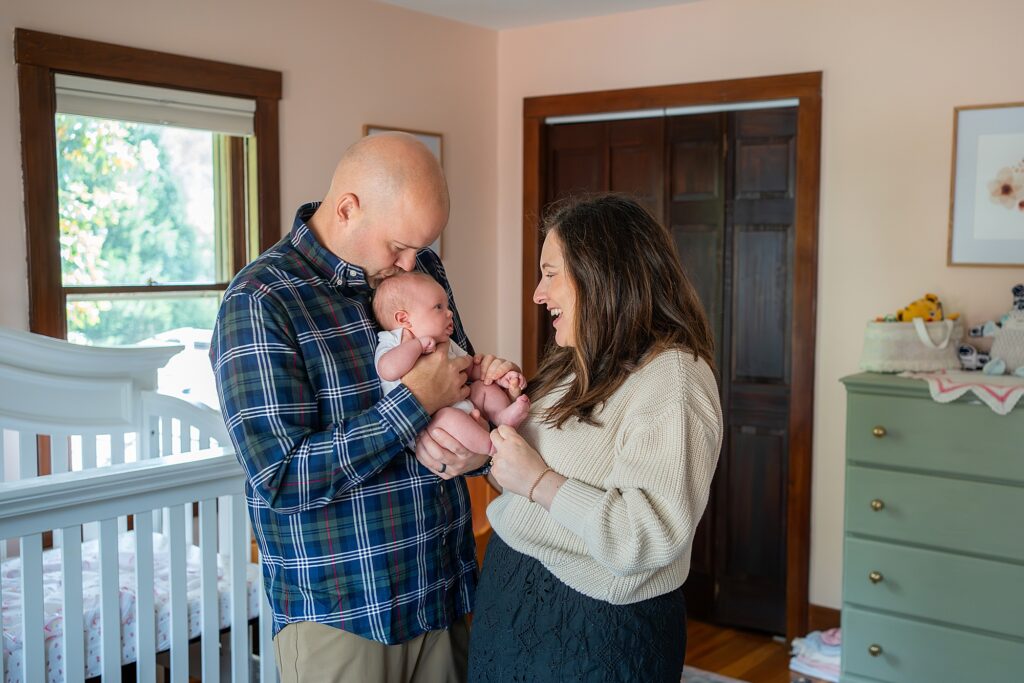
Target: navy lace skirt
(529,626)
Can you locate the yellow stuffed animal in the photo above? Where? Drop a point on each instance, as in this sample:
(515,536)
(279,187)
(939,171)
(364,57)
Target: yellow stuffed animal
(928,307)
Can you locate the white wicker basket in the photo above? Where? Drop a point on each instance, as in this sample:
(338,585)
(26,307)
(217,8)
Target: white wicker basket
(916,346)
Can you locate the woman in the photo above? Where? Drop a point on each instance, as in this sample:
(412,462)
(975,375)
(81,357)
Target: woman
(603,487)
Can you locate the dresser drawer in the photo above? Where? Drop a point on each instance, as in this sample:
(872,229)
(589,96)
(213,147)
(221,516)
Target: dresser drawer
(916,652)
(966,516)
(957,438)
(967,591)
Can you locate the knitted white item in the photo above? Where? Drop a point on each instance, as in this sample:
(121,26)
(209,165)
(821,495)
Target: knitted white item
(621,528)
(1008,345)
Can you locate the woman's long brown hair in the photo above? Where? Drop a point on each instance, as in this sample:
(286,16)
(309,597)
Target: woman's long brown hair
(633,300)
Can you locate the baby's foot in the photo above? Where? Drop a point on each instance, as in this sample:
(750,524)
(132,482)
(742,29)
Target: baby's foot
(515,413)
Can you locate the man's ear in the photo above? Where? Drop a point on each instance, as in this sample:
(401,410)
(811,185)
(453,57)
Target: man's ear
(347,207)
(402,318)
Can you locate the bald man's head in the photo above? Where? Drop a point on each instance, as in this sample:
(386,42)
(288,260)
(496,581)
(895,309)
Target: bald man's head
(388,198)
(381,167)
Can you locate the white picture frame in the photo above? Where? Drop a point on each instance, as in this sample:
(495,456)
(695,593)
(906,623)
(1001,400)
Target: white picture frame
(986,208)
(433,141)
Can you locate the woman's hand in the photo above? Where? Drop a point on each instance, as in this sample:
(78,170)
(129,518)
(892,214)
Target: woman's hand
(515,465)
(490,368)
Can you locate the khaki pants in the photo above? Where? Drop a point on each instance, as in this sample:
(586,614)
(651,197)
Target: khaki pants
(308,652)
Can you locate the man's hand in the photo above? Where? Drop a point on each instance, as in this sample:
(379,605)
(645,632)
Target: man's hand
(437,381)
(439,451)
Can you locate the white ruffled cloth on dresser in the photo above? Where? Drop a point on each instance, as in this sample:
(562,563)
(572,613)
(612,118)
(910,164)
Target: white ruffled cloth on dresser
(998,392)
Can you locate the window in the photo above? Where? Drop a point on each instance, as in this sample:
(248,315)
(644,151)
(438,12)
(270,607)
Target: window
(160,184)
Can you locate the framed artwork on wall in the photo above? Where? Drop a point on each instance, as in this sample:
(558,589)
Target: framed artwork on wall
(433,141)
(986,207)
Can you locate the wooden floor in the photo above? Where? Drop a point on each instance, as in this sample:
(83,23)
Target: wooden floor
(744,655)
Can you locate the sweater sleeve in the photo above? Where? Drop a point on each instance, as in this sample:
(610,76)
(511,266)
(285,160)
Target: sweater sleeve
(647,512)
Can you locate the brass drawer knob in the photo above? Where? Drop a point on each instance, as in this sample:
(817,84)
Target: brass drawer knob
(874,650)
(875,577)
(879,432)
(877,505)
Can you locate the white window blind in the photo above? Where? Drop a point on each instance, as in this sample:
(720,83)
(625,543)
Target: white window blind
(148,104)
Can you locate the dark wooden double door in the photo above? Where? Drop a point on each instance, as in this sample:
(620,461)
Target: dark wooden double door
(724,184)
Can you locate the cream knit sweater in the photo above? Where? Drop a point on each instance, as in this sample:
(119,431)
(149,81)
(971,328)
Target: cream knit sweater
(621,528)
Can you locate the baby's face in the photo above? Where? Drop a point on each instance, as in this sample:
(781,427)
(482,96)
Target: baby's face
(427,306)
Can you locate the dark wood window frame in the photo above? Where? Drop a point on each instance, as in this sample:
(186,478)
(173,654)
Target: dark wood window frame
(806,87)
(39,56)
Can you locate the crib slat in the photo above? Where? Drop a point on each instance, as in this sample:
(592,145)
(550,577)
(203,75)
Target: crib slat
(210,602)
(117,448)
(190,523)
(150,440)
(34,661)
(7,437)
(179,597)
(74,639)
(28,457)
(88,452)
(239,608)
(184,437)
(59,453)
(166,435)
(3,544)
(145,617)
(110,602)
(268,667)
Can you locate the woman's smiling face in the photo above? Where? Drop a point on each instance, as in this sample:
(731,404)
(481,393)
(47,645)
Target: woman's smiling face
(556,291)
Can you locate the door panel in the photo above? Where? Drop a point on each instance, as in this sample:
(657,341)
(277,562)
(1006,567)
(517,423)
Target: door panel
(724,186)
(760,308)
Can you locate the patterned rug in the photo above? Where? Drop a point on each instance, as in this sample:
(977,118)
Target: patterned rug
(692,675)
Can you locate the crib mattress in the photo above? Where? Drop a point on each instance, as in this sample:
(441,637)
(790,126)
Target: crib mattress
(53,608)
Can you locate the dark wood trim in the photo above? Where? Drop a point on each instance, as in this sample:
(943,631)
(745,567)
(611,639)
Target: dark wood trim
(46,312)
(146,289)
(268,171)
(807,88)
(821,618)
(681,95)
(39,56)
(117,62)
(801,414)
(532,199)
(239,206)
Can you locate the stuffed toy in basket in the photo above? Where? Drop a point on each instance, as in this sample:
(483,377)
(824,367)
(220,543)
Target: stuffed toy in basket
(919,338)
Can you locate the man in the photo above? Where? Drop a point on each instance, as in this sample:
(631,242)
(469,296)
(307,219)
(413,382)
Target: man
(368,553)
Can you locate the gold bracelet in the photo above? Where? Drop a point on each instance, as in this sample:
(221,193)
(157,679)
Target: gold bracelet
(529,496)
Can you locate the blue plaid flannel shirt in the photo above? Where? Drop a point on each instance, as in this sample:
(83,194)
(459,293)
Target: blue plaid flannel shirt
(353,531)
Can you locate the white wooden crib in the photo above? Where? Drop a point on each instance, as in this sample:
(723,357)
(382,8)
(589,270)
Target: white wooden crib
(109,531)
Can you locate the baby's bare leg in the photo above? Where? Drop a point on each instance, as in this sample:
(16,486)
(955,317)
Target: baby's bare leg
(464,428)
(494,404)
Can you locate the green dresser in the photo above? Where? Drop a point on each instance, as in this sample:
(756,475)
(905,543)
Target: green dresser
(933,556)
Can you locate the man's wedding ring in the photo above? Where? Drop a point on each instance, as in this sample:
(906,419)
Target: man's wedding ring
(444,466)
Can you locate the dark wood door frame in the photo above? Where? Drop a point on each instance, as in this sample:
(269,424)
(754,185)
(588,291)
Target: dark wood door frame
(805,87)
(39,56)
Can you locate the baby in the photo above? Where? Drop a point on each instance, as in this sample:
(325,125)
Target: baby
(413,310)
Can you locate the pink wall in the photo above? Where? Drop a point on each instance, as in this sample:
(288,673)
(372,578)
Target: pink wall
(893,72)
(344,64)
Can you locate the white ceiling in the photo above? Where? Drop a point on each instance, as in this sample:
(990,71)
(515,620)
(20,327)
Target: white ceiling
(501,14)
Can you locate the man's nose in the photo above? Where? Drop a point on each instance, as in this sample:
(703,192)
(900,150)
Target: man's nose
(407,261)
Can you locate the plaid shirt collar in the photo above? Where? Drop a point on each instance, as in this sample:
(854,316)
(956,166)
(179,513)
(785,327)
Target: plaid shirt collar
(335,270)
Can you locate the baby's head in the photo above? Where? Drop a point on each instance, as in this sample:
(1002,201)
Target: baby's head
(415,302)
